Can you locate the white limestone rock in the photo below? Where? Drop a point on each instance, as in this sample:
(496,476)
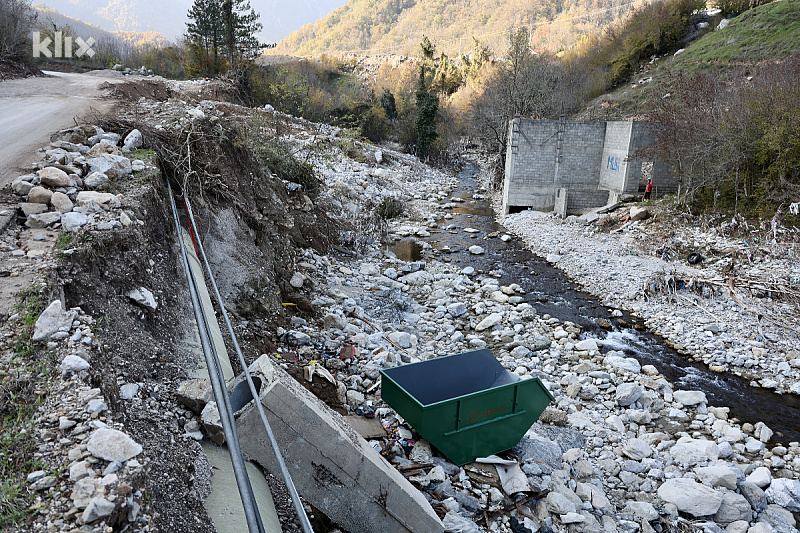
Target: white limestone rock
(690,496)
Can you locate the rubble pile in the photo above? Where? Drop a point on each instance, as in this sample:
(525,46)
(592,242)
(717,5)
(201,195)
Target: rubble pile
(620,450)
(92,466)
(67,190)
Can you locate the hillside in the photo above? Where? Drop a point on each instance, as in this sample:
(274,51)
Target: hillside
(169,18)
(767,32)
(47,17)
(397,26)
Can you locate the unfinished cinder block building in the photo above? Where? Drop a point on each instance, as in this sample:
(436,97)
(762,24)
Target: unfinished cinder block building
(571,166)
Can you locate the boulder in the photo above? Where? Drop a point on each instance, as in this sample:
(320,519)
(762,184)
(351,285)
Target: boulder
(688,451)
(39,195)
(639,213)
(734,507)
(143,297)
(690,397)
(73,363)
(98,508)
(101,148)
(490,321)
(32,209)
(113,166)
(628,393)
(476,250)
(112,445)
(623,363)
(53,320)
(690,496)
(642,510)
(457,309)
(61,202)
(754,495)
(781,520)
(637,449)
(195,394)
(95,180)
(559,504)
(105,200)
(54,177)
(587,345)
(594,495)
(761,476)
(786,493)
(717,476)
(73,221)
(133,141)
(533,448)
(22,185)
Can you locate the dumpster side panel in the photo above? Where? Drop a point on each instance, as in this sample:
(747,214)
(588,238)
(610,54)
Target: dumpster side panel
(473,425)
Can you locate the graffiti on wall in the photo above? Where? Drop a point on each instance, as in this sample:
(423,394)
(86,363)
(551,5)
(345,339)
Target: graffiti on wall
(612,163)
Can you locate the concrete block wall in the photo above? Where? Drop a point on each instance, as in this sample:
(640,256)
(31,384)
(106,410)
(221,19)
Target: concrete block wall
(582,148)
(643,134)
(530,165)
(594,164)
(583,199)
(614,167)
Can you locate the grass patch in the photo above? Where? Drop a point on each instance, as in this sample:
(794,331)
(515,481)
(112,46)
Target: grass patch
(20,384)
(64,240)
(771,31)
(145,154)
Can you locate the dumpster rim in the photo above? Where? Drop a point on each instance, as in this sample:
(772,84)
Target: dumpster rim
(471,394)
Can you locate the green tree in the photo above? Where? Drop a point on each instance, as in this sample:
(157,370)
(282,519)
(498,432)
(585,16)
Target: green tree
(425,121)
(205,34)
(389,104)
(227,26)
(241,21)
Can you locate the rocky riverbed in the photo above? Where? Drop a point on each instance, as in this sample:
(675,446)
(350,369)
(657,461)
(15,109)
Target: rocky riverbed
(698,309)
(620,449)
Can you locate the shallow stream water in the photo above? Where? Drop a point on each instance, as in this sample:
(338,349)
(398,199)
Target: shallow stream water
(550,292)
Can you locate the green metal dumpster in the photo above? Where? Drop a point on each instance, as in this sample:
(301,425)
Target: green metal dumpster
(467,405)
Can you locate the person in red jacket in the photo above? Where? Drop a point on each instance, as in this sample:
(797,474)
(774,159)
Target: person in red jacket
(648,189)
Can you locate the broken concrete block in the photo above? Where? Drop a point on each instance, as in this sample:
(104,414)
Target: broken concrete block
(194,394)
(213,423)
(332,466)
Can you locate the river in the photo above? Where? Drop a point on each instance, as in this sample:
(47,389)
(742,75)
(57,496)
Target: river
(550,292)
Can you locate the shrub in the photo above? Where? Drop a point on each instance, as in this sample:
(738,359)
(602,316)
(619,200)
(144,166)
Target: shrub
(390,208)
(278,158)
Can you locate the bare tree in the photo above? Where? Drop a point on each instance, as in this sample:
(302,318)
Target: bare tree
(16,20)
(523,83)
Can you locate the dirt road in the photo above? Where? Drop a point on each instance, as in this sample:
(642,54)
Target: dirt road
(32,108)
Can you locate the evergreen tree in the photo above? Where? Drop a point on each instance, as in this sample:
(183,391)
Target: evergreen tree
(241,26)
(427,103)
(222,26)
(425,121)
(389,104)
(205,33)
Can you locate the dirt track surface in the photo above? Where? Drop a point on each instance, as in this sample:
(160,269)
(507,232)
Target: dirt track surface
(32,108)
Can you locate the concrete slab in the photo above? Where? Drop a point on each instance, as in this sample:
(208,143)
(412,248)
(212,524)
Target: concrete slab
(369,428)
(224,506)
(331,465)
(208,309)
